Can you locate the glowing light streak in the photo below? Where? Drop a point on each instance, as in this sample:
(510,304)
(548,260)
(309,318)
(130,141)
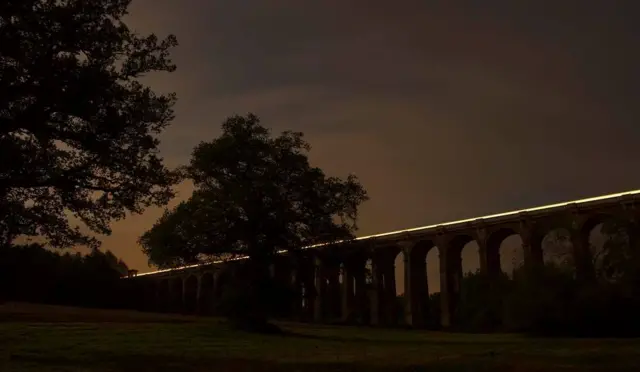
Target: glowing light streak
(428,227)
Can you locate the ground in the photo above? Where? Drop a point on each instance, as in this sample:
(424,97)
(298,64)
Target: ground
(52,338)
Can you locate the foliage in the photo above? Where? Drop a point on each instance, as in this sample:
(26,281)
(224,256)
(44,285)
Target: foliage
(620,257)
(549,300)
(32,273)
(539,301)
(481,301)
(254,195)
(76,122)
(558,249)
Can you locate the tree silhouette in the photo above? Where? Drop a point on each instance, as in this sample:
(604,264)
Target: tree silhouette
(254,195)
(35,274)
(620,256)
(77,125)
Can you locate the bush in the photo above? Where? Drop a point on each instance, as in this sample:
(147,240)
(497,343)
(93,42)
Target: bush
(547,301)
(32,273)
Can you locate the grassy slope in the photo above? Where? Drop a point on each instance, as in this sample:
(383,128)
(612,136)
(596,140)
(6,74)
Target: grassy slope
(49,338)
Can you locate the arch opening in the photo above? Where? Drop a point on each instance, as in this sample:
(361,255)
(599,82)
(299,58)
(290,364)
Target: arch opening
(557,248)
(470,257)
(432,313)
(511,254)
(368,270)
(609,248)
(432,264)
(396,288)
(399,273)
(505,251)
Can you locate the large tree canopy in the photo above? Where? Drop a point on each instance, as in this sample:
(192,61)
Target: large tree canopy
(77,127)
(254,194)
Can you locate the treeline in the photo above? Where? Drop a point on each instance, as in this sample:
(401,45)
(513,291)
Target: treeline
(551,301)
(32,273)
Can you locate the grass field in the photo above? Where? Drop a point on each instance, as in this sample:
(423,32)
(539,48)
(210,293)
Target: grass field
(51,338)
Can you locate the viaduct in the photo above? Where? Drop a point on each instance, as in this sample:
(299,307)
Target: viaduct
(332,286)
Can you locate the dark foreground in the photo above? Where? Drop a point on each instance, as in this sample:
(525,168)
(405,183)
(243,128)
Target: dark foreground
(49,338)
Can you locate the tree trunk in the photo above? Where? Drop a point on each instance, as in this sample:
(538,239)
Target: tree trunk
(255,287)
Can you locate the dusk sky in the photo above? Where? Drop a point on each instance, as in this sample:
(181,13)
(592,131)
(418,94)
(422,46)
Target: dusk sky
(443,110)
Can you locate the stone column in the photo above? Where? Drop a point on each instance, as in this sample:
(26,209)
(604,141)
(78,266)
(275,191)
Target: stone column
(158,300)
(360,297)
(308,306)
(205,295)
(164,295)
(183,302)
(633,234)
(198,308)
(320,290)
(376,295)
(531,245)
(332,307)
(175,297)
(347,292)
(416,289)
(585,270)
(450,276)
(305,276)
(217,290)
(390,298)
(296,285)
(489,251)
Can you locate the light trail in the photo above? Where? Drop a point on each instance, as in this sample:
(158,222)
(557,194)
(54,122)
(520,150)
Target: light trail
(414,229)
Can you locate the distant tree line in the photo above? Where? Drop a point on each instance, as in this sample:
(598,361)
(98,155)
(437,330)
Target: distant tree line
(32,273)
(551,301)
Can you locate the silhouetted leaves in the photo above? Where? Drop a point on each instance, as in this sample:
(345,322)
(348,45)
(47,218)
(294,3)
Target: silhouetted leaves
(34,274)
(77,127)
(254,195)
(549,300)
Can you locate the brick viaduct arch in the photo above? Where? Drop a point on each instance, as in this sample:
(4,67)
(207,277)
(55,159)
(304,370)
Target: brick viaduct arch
(331,279)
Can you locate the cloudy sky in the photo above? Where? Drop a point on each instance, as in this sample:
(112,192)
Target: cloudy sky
(443,109)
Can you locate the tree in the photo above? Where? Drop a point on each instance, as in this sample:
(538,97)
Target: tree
(34,273)
(558,247)
(78,126)
(620,257)
(254,195)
